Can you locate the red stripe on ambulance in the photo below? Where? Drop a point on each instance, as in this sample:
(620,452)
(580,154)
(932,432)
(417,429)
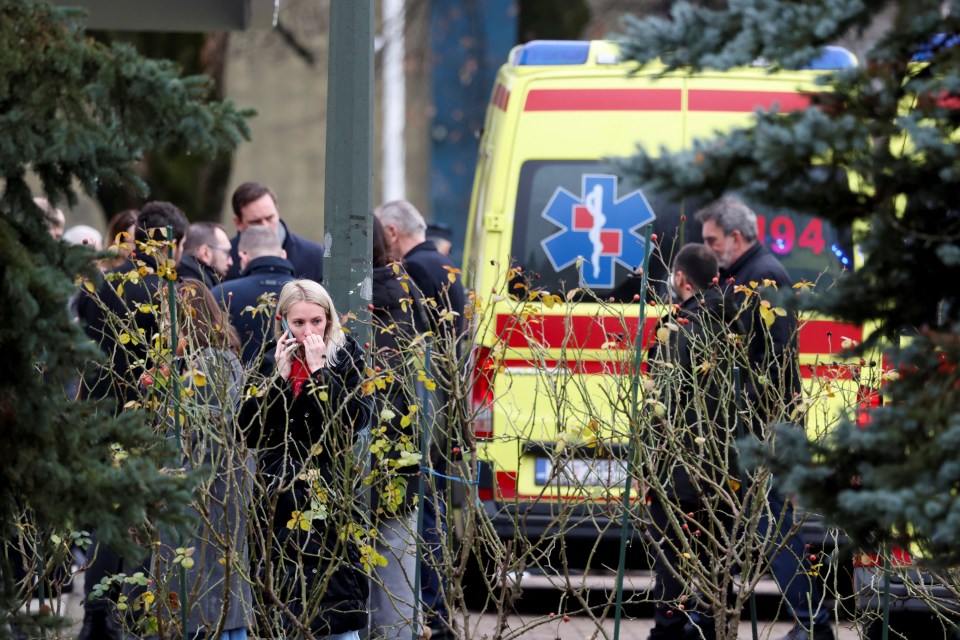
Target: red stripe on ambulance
(744,101)
(825,336)
(603,100)
(573,332)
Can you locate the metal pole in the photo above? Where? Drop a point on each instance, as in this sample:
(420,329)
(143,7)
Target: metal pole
(177,427)
(425,468)
(348,187)
(629,451)
(885,630)
(393,169)
(741,433)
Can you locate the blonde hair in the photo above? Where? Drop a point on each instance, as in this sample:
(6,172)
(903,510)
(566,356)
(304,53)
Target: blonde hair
(309,291)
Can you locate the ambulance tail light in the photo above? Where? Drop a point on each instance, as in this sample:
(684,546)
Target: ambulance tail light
(506,485)
(868,399)
(551,52)
(482,396)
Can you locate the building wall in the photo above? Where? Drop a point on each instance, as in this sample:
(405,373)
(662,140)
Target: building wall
(288,150)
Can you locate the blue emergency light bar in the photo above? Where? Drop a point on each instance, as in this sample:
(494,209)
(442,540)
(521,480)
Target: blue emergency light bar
(940,41)
(832,58)
(574,52)
(551,52)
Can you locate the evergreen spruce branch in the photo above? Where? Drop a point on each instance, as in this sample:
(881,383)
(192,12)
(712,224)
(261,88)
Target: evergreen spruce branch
(75,108)
(782,34)
(72,110)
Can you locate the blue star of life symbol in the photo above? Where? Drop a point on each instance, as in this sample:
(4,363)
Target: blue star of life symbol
(597,229)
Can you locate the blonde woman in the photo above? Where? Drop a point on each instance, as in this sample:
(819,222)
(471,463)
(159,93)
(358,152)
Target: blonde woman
(303,423)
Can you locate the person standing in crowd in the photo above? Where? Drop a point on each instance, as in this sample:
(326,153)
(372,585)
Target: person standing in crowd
(304,425)
(119,238)
(206,254)
(772,387)
(730,230)
(405,232)
(264,269)
(219,595)
(256,205)
(118,378)
(83,235)
(441,236)
(56,221)
(694,409)
(392,592)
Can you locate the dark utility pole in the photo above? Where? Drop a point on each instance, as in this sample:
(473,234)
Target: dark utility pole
(348,192)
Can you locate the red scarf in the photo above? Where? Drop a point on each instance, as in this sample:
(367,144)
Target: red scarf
(298,375)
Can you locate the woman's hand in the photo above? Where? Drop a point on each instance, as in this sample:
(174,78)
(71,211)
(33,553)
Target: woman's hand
(316,352)
(286,346)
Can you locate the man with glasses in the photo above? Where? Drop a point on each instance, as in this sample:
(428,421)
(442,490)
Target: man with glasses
(772,388)
(206,254)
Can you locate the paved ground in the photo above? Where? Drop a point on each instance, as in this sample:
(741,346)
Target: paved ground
(532,626)
(633,629)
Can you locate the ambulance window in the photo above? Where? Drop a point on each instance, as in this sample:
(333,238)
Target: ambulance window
(809,247)
(552,242)
(551,234)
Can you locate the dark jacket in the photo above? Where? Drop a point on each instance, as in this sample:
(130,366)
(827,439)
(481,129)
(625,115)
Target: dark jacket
(306,444)
(225,471)
(305,255)
(106,316)
(693,373)
(430,271)
(772,351)
(193,269)
(393,329)
(263,275)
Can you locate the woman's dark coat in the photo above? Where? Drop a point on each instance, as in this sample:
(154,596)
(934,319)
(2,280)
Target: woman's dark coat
(305,448)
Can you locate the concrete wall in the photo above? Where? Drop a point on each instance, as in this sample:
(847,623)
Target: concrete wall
(288,152)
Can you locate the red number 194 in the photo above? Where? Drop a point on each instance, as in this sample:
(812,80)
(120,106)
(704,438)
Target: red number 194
(783,235)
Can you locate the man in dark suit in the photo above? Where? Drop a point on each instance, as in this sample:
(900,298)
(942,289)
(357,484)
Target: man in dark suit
(256,205)
(771,385)
(206,254)
(695,410)
(405,231)
(264,269)
(443,299)
(118,376)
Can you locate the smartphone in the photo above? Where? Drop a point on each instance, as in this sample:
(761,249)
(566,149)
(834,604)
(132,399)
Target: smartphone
(286,329)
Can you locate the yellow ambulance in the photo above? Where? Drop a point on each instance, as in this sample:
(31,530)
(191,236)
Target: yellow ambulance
(549,216)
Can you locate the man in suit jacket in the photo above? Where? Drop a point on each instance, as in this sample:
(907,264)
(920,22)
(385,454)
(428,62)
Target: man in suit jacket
(772,383)
(206,254)
(118,375)
(264,269)
(254,205)
(434,275)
